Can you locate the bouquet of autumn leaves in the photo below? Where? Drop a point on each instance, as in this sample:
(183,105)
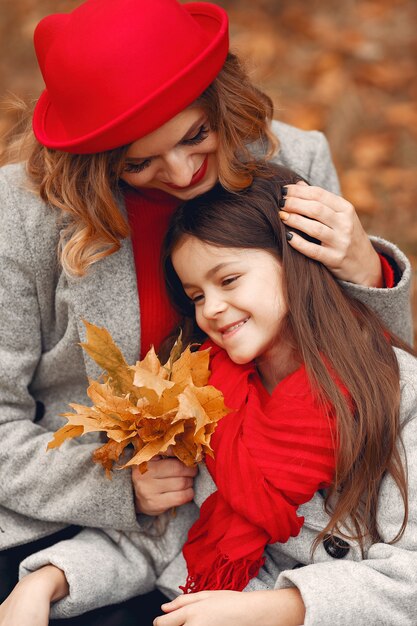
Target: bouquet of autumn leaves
(150,405)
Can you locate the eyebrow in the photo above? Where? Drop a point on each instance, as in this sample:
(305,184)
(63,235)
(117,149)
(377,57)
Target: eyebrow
(211,272)
(190,131)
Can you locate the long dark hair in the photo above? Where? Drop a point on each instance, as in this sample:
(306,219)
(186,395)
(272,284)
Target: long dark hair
(326,326)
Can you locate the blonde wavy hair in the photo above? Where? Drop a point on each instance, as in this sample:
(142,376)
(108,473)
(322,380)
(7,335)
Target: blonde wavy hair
(85,187)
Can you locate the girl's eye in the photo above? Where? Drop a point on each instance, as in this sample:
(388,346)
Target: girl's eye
(201,135)
(135,168)
(229,280)
(197,298)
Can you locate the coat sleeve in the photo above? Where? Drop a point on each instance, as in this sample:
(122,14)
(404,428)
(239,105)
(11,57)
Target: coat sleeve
(382,588)
(393,305)
(107,567)
(308,153)
(63,486)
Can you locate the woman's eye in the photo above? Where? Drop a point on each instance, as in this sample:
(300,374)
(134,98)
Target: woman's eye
(201,135)
(229,280)
(135,168)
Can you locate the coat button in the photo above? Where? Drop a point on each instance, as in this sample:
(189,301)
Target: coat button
(335,546)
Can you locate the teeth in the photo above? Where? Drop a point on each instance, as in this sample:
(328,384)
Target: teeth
(229,330)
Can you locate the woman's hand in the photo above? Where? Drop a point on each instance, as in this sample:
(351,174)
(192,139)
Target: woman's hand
(166,484)
(276,607)
(345,247)
(29,602)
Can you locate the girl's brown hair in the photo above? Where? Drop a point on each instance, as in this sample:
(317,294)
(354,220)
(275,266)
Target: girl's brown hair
(86,187)
(325,326)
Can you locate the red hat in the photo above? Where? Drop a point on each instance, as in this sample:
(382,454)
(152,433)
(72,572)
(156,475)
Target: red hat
(116,70)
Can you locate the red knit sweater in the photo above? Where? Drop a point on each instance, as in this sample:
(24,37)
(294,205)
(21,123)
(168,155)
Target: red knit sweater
(149,213)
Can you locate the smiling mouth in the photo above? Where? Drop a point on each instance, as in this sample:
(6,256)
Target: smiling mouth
(197,176)
(226,330)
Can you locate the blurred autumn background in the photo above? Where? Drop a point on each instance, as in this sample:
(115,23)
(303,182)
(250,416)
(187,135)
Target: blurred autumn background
(348,68)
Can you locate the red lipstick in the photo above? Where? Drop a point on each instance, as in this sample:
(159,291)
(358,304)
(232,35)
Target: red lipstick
(199,175)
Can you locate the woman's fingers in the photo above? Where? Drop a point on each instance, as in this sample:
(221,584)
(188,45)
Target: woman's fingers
(314,251)
(309,192)
(343,246)
(308,225)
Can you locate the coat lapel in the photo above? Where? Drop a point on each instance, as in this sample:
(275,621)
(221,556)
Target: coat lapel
(108,297)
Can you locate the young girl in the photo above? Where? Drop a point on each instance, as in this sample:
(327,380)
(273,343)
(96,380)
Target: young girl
(130,124)
(317,378)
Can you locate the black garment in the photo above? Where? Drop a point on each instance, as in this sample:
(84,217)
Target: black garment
(138,611)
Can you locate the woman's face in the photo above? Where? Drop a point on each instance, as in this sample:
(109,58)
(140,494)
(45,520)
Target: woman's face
(178,158)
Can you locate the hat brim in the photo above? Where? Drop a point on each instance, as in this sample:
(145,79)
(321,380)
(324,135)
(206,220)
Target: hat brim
(159,107)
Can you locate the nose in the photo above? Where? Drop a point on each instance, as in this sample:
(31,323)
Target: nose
(213,306)
(179,167)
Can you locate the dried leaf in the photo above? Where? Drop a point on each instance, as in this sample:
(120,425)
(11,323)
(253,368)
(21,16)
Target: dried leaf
(152,406)
(66,432)
(109,453)
(186,449)
(175,353)
(157,446)
(192,368)
(155,382)
(102,349)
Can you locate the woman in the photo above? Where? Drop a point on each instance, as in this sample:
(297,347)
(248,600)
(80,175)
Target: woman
(114,149)
(312,484)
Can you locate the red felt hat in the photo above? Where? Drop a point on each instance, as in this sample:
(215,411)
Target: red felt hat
(116,70)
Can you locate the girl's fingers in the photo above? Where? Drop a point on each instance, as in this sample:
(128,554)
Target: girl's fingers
(176,618)
(183,600)
(175,610)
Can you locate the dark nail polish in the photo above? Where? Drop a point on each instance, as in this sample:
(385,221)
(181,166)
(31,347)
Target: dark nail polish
(289,236)
(282,203)
(284,191)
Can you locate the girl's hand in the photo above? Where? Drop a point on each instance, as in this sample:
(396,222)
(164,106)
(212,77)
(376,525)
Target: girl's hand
(345,247)
(276,607)
(166,484)
(29,602)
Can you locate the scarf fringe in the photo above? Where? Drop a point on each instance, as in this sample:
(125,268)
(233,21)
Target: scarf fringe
(224,574)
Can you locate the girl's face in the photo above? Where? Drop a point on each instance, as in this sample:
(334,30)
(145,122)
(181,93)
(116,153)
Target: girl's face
(237,293)
(178,158)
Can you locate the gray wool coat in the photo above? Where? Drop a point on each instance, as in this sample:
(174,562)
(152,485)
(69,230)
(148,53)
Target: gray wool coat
(338,589)
(42,367)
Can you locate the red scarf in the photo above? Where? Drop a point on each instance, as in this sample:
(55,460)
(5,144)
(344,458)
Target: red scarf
(270,456)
